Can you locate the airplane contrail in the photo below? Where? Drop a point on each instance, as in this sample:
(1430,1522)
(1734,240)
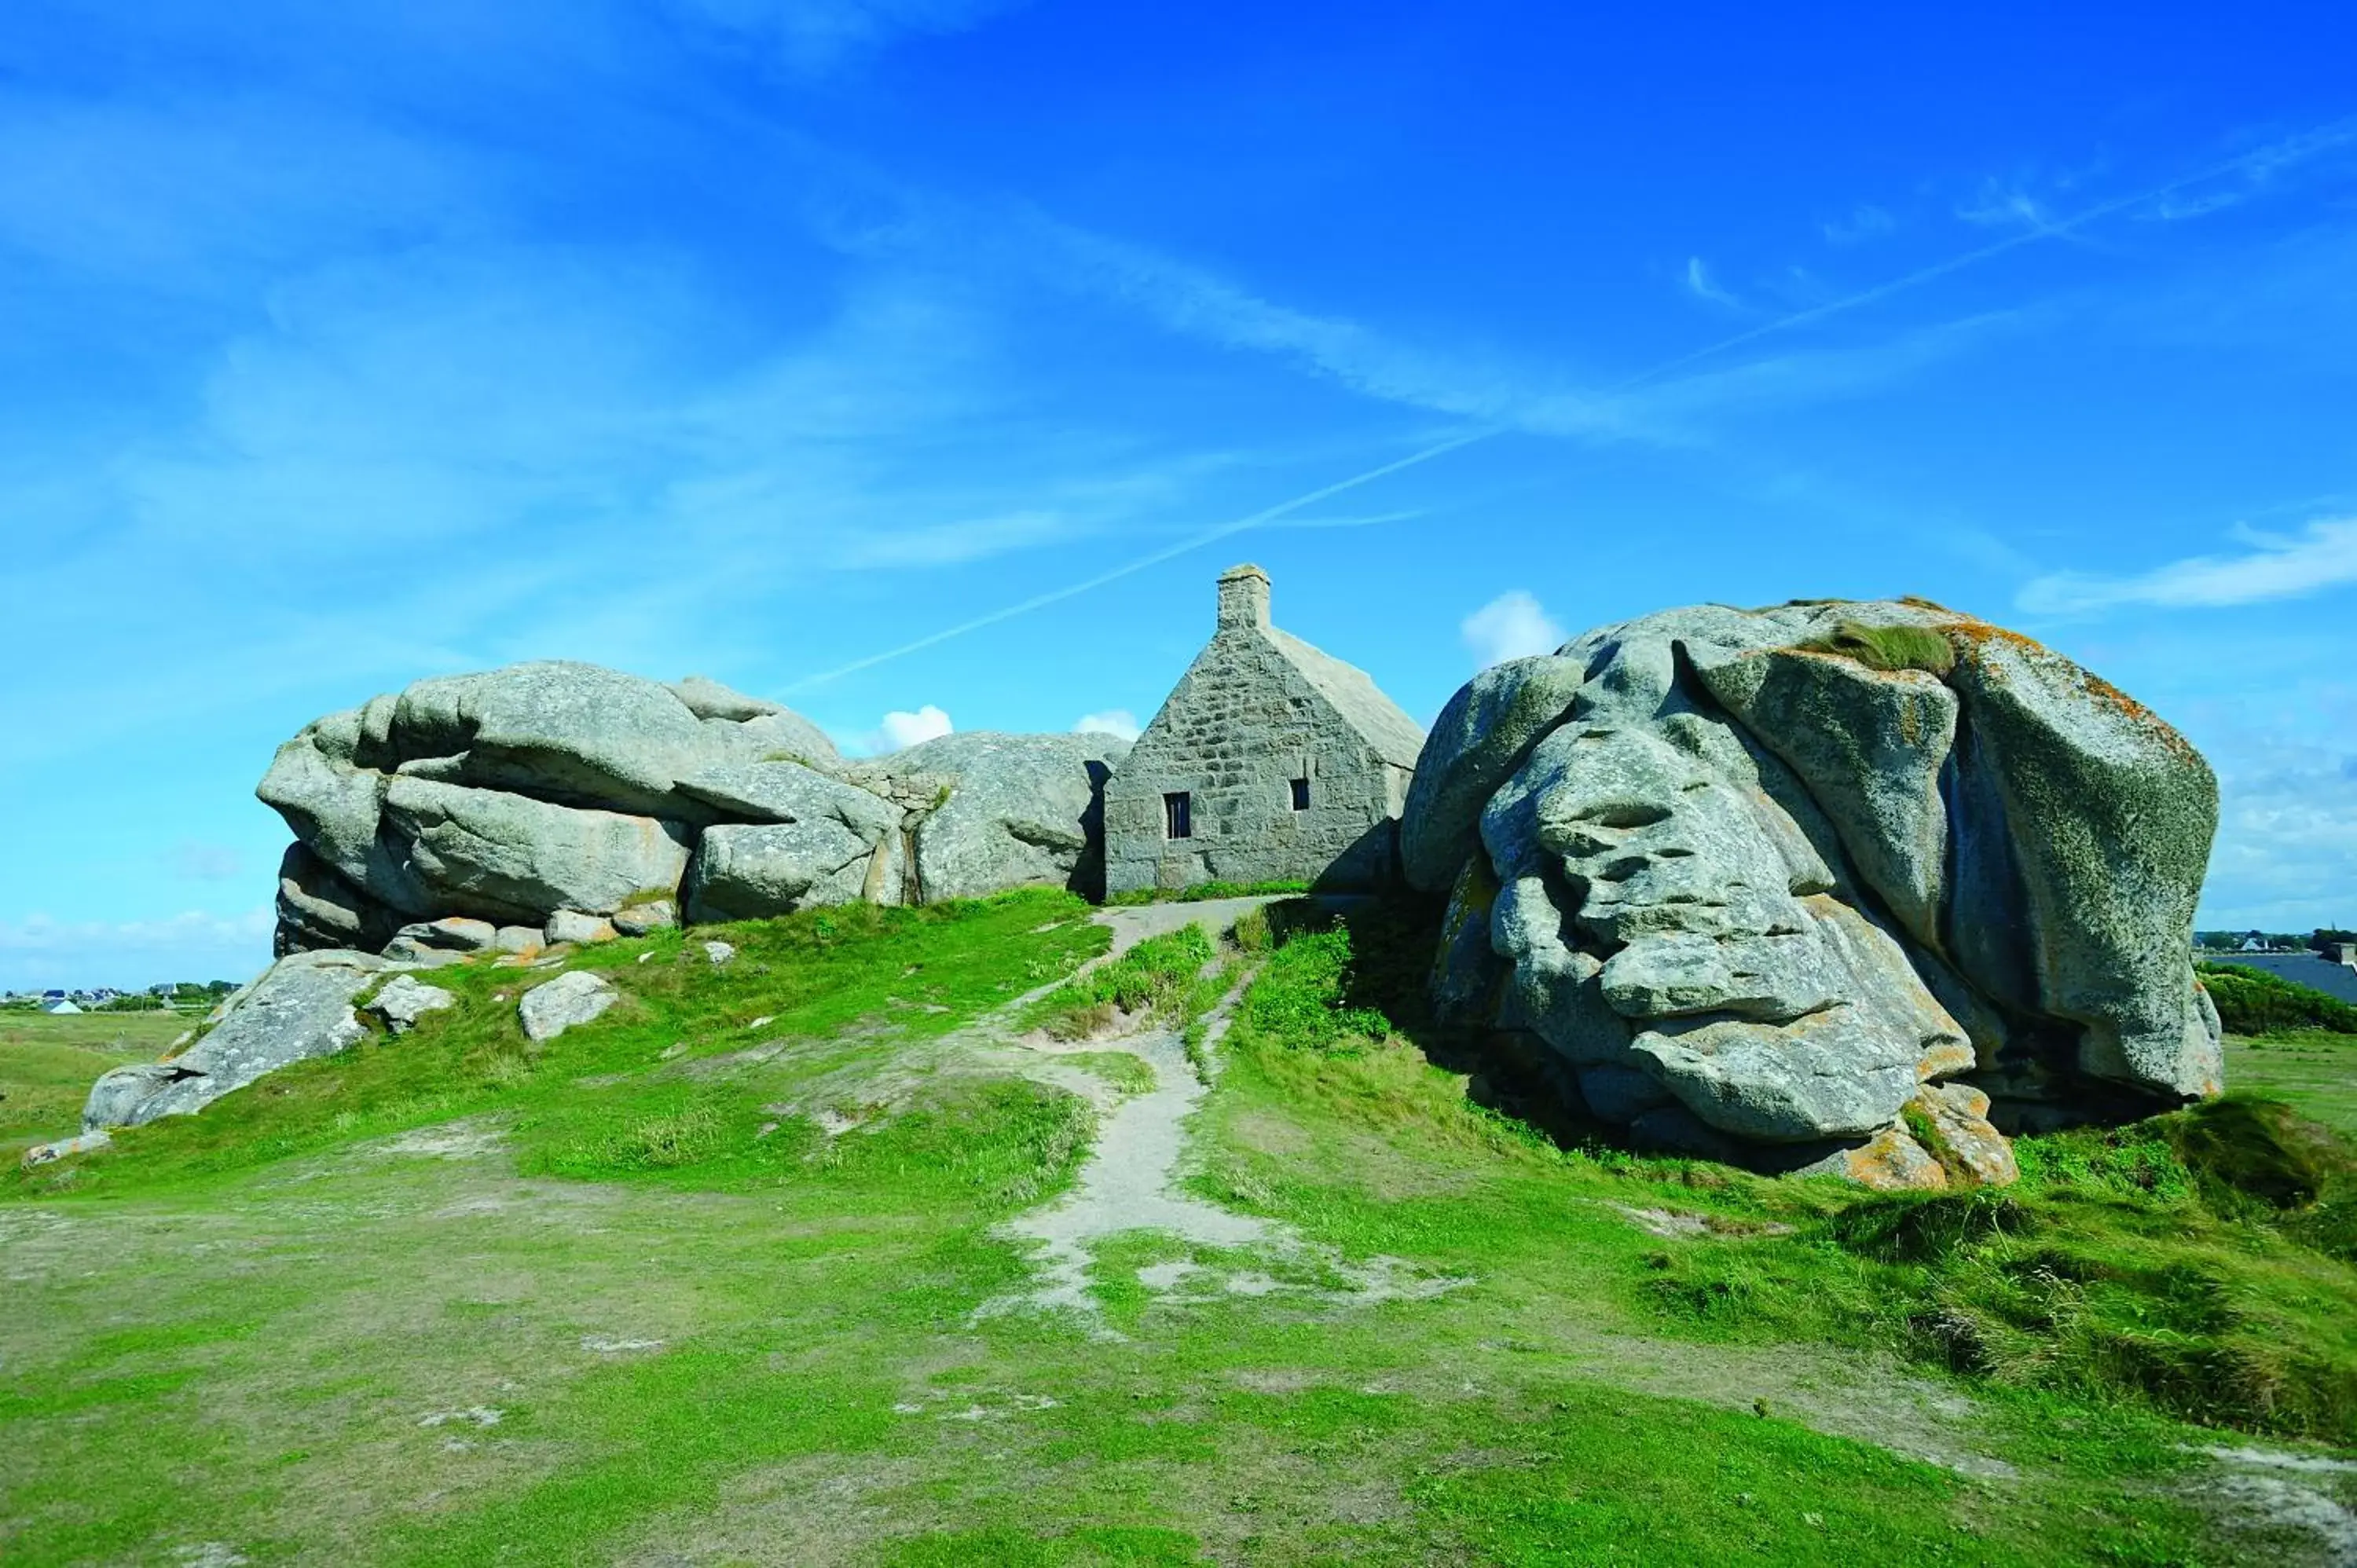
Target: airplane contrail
(1192,541)
(2290,150)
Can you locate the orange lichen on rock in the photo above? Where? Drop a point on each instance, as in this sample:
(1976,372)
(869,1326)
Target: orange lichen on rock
(1978,633)
(1892,1160)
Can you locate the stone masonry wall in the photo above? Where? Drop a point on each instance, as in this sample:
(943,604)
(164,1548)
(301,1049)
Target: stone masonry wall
(1239,727)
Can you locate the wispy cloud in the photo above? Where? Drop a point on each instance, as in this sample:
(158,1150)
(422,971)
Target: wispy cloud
(1511,626)
(1502,395)
(1185,545)
(1998,205)
(816,35)
(1701,285)
(2275,157)
(1866,221)
(2322,556)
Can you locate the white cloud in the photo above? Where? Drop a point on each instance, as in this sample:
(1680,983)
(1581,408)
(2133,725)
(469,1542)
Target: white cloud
(1511,626)
(38,951)
(1112,721)
(1704,286)
(2277,567)
(901,730)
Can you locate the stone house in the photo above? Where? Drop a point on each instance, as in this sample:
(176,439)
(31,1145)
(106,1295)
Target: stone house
(1270,761)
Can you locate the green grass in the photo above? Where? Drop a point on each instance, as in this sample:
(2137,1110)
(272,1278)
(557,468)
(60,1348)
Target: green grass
(1204,891)
(1156,977)
(593,1102)
(48,1064)
(712,1330)
(2313,1071)
(1889,647)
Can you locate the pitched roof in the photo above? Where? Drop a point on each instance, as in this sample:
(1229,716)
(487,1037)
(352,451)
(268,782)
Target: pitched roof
(1396,738)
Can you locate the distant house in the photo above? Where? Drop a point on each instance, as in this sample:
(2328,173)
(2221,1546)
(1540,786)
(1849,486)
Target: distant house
(1270,761)
(61,1005)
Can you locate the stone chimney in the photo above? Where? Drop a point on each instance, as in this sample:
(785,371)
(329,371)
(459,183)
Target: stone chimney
(1244,597)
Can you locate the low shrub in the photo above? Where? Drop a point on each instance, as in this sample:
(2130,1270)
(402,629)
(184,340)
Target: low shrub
(2254,1002)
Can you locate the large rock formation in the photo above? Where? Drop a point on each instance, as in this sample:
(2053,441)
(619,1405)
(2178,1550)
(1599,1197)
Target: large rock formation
(560,792)
(1816,885)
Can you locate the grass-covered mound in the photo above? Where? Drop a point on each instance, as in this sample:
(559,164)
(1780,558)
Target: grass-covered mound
(2254,1002)
(1160,977)
(656,1090)
(2197,1263)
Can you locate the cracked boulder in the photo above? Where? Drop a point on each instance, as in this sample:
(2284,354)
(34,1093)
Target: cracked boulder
(301,1007)
(1832,887)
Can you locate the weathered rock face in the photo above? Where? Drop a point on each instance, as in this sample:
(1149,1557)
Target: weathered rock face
(1002,811)
(300,1007)
(557,796)
(1822,883)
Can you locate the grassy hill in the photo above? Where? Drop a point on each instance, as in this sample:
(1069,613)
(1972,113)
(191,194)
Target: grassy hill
(744,1272)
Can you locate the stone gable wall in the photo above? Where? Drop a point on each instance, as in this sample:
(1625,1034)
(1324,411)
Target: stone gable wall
(1241,726)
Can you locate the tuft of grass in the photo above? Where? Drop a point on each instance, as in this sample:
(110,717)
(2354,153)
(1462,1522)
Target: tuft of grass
(1154,977)
(1122,1072)
(2244,1151)
(1300,999)
(1889,647)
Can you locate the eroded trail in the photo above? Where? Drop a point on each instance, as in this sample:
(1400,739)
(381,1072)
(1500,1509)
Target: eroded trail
(1133,1180)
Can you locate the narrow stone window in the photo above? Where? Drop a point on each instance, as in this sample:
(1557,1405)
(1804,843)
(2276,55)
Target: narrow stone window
(1301,794)
(1178,815)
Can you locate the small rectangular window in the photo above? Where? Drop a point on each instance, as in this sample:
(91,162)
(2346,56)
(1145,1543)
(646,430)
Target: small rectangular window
(1178,815)
(1301,794)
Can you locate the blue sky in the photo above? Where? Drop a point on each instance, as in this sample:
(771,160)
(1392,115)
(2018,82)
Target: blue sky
(342,346)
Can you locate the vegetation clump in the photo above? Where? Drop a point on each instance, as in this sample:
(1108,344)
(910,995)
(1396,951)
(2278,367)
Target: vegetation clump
(2196,1263)
(2253,1002)
(1887,647)
(1154,977)
(1308,998)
